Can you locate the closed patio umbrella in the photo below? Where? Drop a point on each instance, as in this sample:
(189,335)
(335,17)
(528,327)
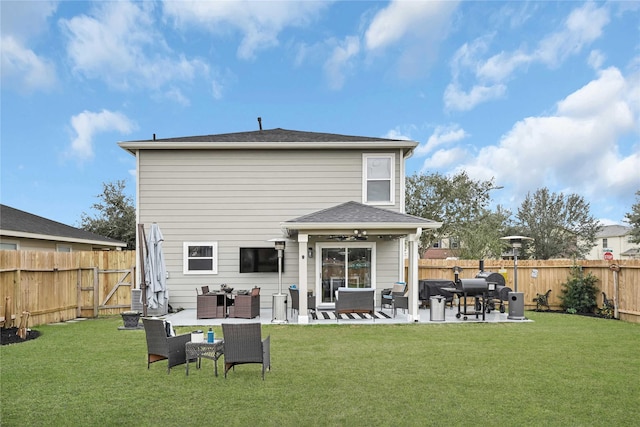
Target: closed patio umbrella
(155,269)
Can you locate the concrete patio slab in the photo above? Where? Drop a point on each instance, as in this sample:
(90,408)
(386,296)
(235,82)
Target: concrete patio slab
(188,318)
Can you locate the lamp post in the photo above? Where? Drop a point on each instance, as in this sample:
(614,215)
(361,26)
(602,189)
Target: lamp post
(279,308)
(516,299)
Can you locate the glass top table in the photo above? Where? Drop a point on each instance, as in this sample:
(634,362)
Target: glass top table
(198,350)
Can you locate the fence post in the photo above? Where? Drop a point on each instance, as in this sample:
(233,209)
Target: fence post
(96,292)
(79,293)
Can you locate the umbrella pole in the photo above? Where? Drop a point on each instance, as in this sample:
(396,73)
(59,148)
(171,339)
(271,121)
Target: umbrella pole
(143,284)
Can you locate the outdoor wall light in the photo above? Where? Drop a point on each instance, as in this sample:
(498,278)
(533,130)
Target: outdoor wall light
(310,253)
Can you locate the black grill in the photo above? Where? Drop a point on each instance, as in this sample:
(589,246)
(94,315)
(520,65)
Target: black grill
(491,277)
(473,287)
(498,292)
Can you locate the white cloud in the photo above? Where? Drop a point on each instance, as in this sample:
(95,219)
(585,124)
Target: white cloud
(414,29)
(442,135)
(396,134)
(444,159)
(582,27)
(175,94)
(340,61)
(118,43)
(25,19)
(259,22)
(23,69)
(407,19)
(577,148)
(88,123)
(458,100)
(596,59)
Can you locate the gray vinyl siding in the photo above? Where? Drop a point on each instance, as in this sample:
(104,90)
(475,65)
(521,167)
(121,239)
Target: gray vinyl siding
(238,199)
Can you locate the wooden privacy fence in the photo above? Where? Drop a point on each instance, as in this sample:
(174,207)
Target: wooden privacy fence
(58,286)
(537,277)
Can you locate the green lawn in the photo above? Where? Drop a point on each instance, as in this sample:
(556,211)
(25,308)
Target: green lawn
(558,370)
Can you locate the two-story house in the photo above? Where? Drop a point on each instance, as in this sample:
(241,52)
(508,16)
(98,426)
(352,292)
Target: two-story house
(220,199)
(614,242)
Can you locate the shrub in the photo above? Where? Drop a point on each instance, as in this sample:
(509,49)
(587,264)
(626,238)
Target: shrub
(608,308)
(578,293)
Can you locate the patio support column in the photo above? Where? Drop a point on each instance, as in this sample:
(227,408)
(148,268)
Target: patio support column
(303,314)
(412,282)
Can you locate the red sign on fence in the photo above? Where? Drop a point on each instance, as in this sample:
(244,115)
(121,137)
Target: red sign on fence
(608,256)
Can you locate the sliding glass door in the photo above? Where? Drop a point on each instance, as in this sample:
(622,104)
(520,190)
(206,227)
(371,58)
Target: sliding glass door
(344,264)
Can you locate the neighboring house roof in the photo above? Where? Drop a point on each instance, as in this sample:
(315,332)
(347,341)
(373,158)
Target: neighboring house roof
(613,231)
(21,224)
(358,215)
(633,253)
(269,139)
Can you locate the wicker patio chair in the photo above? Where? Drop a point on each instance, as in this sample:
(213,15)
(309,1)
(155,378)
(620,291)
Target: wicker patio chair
(246,306)
(243,343)
(393,297)
(161,347)
(295,301)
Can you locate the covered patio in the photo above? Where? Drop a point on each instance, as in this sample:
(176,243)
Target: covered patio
(357,223)
(188,318)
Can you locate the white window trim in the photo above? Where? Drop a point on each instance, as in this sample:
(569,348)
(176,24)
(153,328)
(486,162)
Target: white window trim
(60,247)
(185,258)
(365,181)
(369,245)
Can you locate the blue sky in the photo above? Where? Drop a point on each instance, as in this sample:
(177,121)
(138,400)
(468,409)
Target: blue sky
(534,94)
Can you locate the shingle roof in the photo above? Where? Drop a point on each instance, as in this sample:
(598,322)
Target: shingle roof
(613,231)
(353,212)
(15,220)
(271,135)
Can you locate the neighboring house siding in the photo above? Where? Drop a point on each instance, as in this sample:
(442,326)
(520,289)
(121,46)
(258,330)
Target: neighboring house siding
(238,199)
(617,241)
(46,245)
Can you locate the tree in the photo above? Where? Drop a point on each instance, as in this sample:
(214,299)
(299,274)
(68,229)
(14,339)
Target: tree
(461,204)
(633,218)
(480,237)
(117,215)
(561,226)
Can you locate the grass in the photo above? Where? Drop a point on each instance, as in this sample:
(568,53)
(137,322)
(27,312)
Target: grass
(559,370)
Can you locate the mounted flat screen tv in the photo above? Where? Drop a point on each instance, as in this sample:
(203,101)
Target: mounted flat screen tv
(259,260)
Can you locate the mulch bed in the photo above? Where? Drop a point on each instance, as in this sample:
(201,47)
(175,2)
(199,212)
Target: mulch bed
(10,336)
(599,316)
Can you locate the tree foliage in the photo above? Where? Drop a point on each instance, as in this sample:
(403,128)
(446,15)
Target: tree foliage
(461,204)
(116,215)
(561,226)
(633,218)
(480,238)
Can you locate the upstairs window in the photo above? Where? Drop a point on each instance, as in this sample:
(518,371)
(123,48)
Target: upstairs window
(378,171)
(200,258)
(605,243)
